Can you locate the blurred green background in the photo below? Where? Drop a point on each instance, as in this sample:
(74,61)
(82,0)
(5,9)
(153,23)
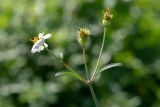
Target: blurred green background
(133,39)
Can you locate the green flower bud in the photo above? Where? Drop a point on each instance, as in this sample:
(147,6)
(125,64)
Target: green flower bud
(107,16)
(83,35)
(61,55)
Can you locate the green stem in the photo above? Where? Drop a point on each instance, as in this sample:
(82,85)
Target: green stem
(94,95)
(90,85)
(53,54)
(85,63)
(59,59)
(68,67)
(100,54)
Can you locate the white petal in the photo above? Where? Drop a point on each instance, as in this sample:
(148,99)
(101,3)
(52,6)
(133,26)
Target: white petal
(46,45)
(40,42)
(41,48)
(38,46)
(35,49)
(40,35)
(46,36)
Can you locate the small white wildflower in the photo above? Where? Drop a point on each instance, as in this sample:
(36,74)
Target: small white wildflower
(39,42)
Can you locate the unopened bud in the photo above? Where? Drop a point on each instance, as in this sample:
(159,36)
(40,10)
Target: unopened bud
(61,55)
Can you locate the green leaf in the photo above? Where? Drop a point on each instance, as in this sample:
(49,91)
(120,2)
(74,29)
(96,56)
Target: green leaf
(110,66)
(73,74)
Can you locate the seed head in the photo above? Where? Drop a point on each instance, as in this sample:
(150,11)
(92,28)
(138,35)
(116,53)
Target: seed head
(83,34)
(107,16)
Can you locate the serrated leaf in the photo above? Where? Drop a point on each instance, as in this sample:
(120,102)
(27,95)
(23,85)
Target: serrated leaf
(75,75)
(110,66)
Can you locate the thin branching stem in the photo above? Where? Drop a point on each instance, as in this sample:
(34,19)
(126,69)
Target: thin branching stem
(85,63)
(90,85)
(100,54)
(65,65)
(61,60)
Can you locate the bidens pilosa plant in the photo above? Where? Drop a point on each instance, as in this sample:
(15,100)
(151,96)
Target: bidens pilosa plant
(83,36)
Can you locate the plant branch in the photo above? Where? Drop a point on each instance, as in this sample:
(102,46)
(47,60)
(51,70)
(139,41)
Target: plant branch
(85,63)
(100,54)
(60,60)
(68,67)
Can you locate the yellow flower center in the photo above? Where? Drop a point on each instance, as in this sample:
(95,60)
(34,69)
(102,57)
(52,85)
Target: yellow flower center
(35,39)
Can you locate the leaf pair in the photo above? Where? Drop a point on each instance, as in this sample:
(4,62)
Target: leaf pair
(77,76)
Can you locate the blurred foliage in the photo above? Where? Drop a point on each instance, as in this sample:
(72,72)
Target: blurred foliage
(133,39)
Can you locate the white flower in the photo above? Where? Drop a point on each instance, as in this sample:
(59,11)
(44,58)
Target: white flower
(39,42)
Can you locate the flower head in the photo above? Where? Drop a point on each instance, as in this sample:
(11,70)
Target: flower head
(39,42)
(83,34)
(107,16)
